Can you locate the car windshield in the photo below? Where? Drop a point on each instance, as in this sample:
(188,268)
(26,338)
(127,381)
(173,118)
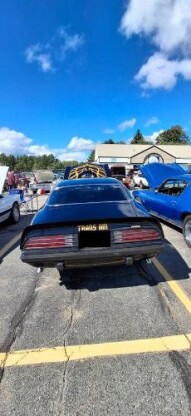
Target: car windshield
(88,193)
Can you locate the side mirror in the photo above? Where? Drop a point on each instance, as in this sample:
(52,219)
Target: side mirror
(156,190)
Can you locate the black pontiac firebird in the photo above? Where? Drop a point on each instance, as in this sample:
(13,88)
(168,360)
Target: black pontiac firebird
(90,222)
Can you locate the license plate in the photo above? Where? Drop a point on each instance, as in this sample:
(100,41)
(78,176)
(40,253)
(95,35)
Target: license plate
(93,227)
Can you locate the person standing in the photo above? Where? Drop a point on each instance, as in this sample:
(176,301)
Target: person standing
(11,179)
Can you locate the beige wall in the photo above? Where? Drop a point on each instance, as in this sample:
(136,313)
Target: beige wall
(140,158)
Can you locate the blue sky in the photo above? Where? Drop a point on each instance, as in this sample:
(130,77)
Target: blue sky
(76,73)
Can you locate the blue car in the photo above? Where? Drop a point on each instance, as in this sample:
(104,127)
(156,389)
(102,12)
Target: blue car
(90,222)
(169,197)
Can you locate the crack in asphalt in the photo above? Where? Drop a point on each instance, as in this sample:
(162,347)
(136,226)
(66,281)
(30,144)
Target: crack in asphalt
(149,278)
(165,303)
(184,369)
(16,324)
(189,341)
(21,358)
(74,301)
(161,293)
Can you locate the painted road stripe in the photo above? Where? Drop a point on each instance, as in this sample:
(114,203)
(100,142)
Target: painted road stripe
(82,352)
(11,243)
(173,285)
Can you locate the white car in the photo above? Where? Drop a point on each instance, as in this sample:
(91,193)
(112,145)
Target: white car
(140,181)
(9,204)
(42,179)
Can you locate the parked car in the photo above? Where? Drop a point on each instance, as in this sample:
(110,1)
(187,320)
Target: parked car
(42,179)
(169,197)
(118,172)
(90,222)
(87,170)
(9,203)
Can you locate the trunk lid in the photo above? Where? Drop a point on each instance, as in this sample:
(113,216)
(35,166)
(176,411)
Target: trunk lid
(85,212)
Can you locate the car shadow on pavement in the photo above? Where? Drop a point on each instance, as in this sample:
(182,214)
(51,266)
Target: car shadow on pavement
(10,234)
(141,273)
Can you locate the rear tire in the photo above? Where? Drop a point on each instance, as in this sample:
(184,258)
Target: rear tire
(187,230)
(15,214)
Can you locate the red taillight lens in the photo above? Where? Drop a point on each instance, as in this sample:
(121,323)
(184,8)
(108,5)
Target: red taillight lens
(49,241)
(135,235)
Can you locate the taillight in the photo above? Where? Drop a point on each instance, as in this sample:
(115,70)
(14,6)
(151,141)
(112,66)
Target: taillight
(49,241)
(135,235)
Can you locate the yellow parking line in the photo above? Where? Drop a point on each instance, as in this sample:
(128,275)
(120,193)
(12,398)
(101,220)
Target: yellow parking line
(82,352)
(173,285)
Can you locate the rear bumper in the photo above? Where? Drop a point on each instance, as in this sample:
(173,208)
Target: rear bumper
(35,188)
(90,257)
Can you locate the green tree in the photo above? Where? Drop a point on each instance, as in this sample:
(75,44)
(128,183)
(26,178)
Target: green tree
(29,163)
(91,156)
(138,138)
(11,161)
(3,159)
(110,141)
(174,135)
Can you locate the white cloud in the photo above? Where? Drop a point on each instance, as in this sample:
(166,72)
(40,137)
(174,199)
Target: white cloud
(127,124)
(152,137)
(167,24)
(78,156)
(34,53)
(152,120)
(70,42)
(47,55)
(78,143)
(161,72)
(45,62)
(38,150)
(13,142)
(16,143)
(108,131)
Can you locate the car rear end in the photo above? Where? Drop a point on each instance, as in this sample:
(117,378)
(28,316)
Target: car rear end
(91,244)
(46,185)
(41,180)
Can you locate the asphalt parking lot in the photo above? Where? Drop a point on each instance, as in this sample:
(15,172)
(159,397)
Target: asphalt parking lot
(104,341)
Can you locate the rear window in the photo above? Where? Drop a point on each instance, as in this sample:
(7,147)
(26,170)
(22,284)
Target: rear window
(88,193)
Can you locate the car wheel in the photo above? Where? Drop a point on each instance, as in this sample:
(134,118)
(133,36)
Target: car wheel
(187,230)
(15,214)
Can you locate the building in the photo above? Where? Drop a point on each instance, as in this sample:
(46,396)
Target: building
(130,155)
